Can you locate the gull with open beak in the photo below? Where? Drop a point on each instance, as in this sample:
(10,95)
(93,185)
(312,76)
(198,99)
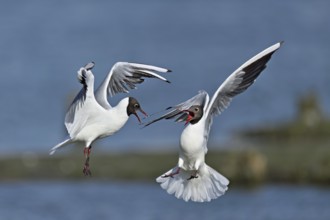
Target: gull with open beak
(192,179)
(91,117)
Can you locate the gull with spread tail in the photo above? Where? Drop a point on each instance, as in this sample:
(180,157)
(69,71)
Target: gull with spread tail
(192,179)
(91,117)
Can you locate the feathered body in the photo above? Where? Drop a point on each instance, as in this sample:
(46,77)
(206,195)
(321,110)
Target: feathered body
(91,117)
(95,127)
(192,179)
(193,146)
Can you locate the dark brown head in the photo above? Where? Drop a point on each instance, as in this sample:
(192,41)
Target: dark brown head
(133,107)
(195,113)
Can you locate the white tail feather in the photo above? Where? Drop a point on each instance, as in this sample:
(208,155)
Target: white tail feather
(66,141)
(209,185)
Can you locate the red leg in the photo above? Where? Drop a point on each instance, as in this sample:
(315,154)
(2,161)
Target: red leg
(172,174)
(87,151)
(86,170)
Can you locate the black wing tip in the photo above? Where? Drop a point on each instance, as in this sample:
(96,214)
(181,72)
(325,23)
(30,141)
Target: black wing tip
(167,81)
(90,65)
(143,126)
(147,124)
(280,44)
(169,71)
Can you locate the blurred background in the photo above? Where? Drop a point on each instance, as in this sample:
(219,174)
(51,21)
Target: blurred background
(272,142)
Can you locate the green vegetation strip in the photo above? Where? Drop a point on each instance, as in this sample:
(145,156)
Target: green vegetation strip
(247,167)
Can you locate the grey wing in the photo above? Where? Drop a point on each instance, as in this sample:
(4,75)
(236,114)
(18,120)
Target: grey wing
(177,111)
(123,77)
(237,83)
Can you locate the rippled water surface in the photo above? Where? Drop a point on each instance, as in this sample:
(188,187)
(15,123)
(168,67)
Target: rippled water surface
(141,201)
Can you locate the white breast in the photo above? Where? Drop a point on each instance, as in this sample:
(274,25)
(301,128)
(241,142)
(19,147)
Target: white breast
(104,123)
(192,138)
(192,145)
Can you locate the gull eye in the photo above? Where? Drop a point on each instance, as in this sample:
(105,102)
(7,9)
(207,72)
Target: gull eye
(196,109)
(136,105)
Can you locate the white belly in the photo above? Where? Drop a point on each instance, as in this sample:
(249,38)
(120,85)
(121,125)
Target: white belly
(192,144)
(95,131)
(100,127)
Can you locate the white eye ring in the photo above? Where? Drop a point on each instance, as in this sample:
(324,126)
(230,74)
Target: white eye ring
(196,109)
(136,105)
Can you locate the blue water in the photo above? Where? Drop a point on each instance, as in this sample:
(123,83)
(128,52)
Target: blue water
(43,43)
(143,201)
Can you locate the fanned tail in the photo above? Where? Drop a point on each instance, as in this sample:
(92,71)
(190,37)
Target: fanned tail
(63,143)
(207,186)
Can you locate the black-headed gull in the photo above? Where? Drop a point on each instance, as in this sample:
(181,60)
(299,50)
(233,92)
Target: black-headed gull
(90,115)
(192,179)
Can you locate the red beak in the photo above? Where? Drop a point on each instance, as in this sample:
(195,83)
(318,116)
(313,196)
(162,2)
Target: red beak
(143,112)
(189,117)
(137,116)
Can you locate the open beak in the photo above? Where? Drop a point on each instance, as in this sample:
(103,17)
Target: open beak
(137,116)
(189,116)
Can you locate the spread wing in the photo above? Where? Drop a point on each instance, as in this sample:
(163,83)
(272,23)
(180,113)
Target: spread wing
(124,76)
(177,111)
(83,104)
(237,83)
